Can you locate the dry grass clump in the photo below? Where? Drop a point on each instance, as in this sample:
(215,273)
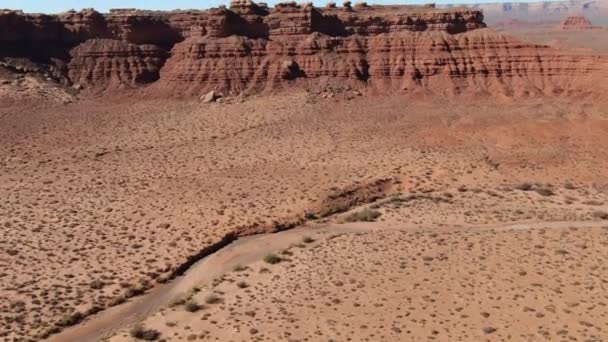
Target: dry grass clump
(97,284)
(524,186)
(141,333)
(192,306)
(601,215)
(325,212)
(545,191)
(272,259)
(366,215)
(71,319)
(239,268)
(212,299)
(308,239)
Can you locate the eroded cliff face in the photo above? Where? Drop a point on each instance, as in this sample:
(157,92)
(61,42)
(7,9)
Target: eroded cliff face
(253,48)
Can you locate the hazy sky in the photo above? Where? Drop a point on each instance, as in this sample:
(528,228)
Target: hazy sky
(53,6)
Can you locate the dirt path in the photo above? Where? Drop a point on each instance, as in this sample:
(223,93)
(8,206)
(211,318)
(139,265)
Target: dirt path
(242,252)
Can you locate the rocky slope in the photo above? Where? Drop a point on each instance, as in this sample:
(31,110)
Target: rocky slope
(252,48)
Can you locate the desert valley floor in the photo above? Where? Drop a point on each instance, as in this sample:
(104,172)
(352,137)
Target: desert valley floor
(105,201)
(331,212)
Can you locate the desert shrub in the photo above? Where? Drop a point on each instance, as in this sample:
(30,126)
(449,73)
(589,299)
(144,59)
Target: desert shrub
(524,186)
(97,284)
(336,209)
(310,216)
(93,310)
(239,268)
(488,330)
(308,239)
(192,306)
(545,192)
(366,215)
(118,300)
(178,301)
(134,291)
(71,319)
(49,331)
(242,285)
(272,259)
(601,215)
(141,333)
(593,202)
(212,299)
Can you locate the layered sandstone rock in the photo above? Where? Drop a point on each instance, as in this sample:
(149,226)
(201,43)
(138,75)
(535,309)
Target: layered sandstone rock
(249,47)
(107,63)
(577,22)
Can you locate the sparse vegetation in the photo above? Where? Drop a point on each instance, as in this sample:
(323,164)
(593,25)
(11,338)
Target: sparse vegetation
(366,215)
(239,268)
(97,284)
(545,192)
(192,306)
(308,239)
(134,291)
(71,319)
(212,299)
(600,214)
(50,331)
(141,333)
(118,300)
(272,259)
(93,310)
(310,216)
(178,301)
(524,186)
(489,330)
(329,211)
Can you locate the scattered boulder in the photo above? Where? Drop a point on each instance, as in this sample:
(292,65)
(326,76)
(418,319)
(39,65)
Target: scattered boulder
(290,70)
(210,97)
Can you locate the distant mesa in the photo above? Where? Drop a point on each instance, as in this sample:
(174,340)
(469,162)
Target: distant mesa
(578,22)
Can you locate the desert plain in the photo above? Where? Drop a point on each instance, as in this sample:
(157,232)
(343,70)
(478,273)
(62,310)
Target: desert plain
(321,211)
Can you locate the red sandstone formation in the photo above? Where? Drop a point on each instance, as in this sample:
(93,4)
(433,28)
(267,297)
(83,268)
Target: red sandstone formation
(577,22)
(251,48)
(114,63)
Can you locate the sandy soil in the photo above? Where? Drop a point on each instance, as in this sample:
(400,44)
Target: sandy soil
(396,211)
(103,200)
(543,281)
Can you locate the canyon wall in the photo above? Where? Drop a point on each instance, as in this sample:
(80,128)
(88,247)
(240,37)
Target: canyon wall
(251,48)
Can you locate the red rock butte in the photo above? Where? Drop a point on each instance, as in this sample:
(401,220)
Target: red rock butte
(578,22)
(251,48)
